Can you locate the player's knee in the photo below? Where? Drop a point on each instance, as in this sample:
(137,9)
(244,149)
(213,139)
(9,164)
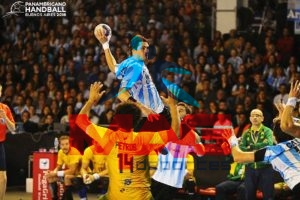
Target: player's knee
(77,183)
(68,180)
(3,177)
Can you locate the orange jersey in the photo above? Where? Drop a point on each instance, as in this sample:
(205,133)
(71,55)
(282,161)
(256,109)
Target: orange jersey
(127,158)
(3,128)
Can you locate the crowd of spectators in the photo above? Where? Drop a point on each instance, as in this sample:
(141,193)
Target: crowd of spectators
(48,63)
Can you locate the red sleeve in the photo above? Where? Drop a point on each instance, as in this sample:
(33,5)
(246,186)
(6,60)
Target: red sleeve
(83,121)
(97,133)
(155,140)
(9,114)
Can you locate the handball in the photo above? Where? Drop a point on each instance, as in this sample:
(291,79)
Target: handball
(104,28)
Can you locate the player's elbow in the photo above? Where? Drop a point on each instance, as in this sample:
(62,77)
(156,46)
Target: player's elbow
(286,126)
(239,159)
(12,129)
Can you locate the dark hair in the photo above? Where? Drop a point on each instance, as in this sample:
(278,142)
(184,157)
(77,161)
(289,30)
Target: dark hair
(127,115)
(136,40)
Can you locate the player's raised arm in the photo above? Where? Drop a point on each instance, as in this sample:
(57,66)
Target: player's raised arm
(82,120)
(175,123)
(238,155)
(103,33)
(94,96)
(287,124)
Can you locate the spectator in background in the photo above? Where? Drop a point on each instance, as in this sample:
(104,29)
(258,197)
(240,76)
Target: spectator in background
(242,80)
(291,70)
(225,84)
(199,48)
(212,107)
(222,121)
(242,124)
(106,116)
(269,66)
(45,111)
(276,78)
(29,126)
(204,92)
(283,95)
(79,102)
(65,119)
(235,60)
(48,126)
(262,98)
(33,116)
(20,107)
(285,45)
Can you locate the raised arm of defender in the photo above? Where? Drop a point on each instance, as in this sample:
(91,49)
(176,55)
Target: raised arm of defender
(287,123)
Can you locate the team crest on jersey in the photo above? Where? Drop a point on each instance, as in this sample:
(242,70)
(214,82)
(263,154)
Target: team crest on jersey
(294,144)
(127,181)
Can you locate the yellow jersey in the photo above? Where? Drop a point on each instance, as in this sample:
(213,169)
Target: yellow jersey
(73,157)
(97,158)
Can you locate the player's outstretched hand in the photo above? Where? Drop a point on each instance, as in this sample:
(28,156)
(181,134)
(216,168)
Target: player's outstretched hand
(230,137)
(95,92)
(295,90)
(280,108)
(226,148)
(153,117)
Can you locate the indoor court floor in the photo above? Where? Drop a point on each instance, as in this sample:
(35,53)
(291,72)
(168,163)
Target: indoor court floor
(19,193)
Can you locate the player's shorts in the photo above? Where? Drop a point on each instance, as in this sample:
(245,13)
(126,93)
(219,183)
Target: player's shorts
(163,122)
(2,157)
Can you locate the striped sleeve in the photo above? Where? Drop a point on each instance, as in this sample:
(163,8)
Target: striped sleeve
(272,152)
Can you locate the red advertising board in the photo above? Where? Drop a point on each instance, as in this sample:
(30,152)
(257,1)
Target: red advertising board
(42,162)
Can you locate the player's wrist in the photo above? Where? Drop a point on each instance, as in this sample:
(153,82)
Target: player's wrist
(233,141)
(131,99)
(90,102)
(292,101)
(105,45)
(60,173)
(96,176)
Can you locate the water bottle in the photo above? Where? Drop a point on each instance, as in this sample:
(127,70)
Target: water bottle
(56,144)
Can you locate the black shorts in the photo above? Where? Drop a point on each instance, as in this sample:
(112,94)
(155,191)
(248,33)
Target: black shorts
(296,192)
(161,191)
(2,157)
(163,122)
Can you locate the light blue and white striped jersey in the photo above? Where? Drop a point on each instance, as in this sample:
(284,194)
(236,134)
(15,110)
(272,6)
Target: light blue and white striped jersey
(171,168)
(135,77)
(285,158)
